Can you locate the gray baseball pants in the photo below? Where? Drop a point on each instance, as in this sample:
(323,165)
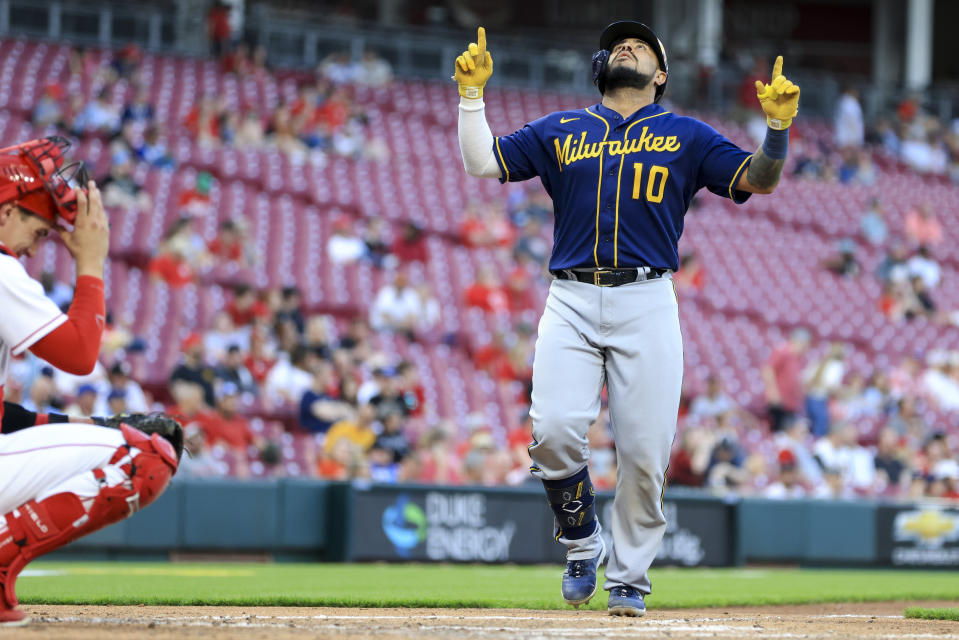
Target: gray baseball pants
(628,338)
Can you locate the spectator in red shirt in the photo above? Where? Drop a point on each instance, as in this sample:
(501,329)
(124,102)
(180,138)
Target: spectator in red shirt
(334,112)
(487,292)
(908,109)
(486,226)
(218,27)
(259,361)
(303,107)
(188,403)
(520,291)
(410,246)
(196,202)
(171,267)
(246,306)
(519,438)
(505,362)
(783,382)
(203,123)
(747,88)
(688,462)
(238,61)
(691,275)
(229,245)
(410,388)
(226,425)
(488,356)
(440,465)
(518,363)
(472,231)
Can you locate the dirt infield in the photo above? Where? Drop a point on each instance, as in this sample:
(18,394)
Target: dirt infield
(840,621)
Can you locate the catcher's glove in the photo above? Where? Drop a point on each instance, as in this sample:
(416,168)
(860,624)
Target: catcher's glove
(149,423)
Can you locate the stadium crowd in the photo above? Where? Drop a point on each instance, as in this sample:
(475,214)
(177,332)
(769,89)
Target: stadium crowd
(353,413)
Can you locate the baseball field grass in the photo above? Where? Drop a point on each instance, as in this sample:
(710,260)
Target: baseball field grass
(413,585)
(925,613)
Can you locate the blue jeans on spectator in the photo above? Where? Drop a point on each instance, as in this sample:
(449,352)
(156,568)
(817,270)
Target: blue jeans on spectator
(817,409)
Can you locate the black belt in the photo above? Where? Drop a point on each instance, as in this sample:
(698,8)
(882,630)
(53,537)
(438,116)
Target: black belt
(610,277)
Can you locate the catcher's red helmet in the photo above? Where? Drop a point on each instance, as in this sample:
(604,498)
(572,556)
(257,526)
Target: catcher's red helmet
(35,177)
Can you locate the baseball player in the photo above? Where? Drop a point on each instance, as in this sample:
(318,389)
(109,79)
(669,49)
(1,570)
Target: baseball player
(621,174)
(60,482)
(36,195)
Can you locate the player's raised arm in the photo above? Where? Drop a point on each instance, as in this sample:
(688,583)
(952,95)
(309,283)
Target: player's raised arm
(780,102)
(471,70)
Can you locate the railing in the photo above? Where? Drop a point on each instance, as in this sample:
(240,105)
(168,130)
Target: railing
(82,23)
(414,52)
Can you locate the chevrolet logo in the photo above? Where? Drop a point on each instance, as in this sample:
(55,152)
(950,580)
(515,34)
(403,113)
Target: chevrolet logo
(928,526)
(565,120)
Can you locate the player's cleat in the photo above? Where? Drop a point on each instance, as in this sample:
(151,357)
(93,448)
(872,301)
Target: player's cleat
(10,615)
(579,579)
(626,601)
(13,618)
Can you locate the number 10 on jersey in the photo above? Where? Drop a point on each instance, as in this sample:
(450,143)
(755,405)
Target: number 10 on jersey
(655,182)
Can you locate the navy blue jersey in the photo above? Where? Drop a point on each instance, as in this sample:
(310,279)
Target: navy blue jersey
(621,186)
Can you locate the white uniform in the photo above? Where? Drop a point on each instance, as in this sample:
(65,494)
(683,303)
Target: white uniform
(36,462)
(42,461)
(27,314)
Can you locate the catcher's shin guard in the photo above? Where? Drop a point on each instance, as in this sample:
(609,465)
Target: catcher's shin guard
(136,475)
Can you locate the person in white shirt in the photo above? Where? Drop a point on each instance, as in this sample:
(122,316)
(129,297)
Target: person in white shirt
(289,378)
(345,247)
(789,484)
(712,403)
(397,306)
(849,123)
(925,267)
(938,384)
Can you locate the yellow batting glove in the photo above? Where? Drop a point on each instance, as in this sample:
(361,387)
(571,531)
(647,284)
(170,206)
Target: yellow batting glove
(474,67)
(780,100)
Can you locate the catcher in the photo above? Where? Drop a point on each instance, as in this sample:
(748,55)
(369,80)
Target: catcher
(60,482)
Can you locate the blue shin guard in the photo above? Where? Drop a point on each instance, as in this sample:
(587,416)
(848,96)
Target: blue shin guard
(571,500)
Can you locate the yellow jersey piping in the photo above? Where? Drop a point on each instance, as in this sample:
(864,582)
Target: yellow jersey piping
(599,185)
(736,176)
(619,184)
(502,161)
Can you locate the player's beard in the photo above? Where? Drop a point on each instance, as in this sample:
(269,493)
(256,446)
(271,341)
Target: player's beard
(622,76)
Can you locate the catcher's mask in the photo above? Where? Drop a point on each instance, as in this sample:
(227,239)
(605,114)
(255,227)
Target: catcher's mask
(627,29)
(34,176)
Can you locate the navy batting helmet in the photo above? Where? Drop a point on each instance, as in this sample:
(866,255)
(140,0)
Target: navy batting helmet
(627,29)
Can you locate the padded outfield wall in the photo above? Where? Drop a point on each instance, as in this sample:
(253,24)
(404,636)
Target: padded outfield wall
(299,519)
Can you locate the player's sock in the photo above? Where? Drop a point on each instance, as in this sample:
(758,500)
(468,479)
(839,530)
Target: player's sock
(571,500)
(137,474)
